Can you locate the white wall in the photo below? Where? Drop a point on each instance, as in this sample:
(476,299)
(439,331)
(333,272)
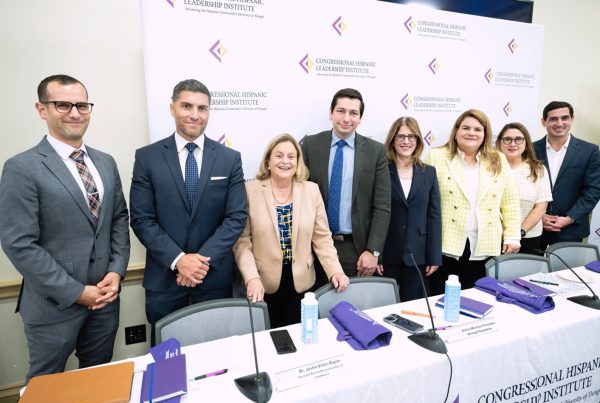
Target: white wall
(100,43)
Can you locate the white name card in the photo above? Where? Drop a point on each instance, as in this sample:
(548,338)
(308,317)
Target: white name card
(468,330)
(310,372)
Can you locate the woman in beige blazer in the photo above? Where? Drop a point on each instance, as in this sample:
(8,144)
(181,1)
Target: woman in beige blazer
(286,217)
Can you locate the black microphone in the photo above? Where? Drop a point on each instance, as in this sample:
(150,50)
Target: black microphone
(591,301)
(429,340)
(256,387)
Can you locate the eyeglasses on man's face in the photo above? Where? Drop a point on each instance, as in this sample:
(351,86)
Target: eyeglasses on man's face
(65,107)
(517,140)
(404,137)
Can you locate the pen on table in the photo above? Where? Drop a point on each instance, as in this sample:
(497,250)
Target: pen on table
(542,282)
(215,373)
(443,327)
(424,315)
(521,283)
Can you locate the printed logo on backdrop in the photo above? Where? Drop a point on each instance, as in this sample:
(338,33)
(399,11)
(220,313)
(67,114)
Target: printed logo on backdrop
(597,232)
(507,109)
(339,67)
(429,138)
(235,8)
(339,26)
(171,3)
(431,103)
(510,78)
(239,100)
(434,66)
(435,29)
(513,45)
(218,50)
(225,141)
(306,63)
(302,139)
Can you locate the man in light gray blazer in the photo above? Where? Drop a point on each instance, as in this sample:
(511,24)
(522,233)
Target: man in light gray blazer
(64,226)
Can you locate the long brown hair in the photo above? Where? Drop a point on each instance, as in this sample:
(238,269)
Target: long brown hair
(536,168)
(390,140)
(486,150)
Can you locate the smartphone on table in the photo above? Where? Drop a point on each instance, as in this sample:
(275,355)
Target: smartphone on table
(403,323)
(283,341)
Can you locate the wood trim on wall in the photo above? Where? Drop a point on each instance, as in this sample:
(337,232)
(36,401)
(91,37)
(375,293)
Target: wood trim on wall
(10,288)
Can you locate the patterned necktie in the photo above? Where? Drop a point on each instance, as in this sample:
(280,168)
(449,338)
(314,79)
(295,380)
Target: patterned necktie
(191,174)
(88,183)
(335,188)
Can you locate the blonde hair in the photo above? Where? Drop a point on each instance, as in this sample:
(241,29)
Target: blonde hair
(390,140)
(301,170)
(486,150)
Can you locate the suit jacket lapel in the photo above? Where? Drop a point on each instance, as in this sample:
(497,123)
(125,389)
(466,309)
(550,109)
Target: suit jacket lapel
(396,186)
(360,158)
(55,164)
(297,200)
(569,157)
(267,192)
(107,181)
(417,182)
(485,181)
(456,172)
(322,168)
(172,160)
(209,156)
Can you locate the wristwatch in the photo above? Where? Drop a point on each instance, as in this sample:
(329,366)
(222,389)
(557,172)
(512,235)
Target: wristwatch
(523,233)
(374,252)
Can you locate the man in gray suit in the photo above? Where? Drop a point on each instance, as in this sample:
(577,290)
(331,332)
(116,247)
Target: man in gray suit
(353,177)
(64,226)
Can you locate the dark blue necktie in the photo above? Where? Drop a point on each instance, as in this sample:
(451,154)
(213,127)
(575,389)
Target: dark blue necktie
(191,174)
(335,188)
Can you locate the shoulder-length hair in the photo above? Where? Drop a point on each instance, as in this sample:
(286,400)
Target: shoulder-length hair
(390,140)
(486,150)
(301,170)
(536,168)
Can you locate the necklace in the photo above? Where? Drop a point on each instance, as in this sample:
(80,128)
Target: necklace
(405,173)
(279,201)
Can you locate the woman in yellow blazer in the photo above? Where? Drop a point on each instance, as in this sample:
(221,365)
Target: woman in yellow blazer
(286,217)
(480,201)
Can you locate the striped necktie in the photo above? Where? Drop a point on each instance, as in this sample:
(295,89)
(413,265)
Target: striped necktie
(88,183)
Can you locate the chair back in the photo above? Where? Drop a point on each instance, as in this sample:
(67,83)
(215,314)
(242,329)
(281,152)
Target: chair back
(211,320)
(511,266)
(573,253)
(363,293)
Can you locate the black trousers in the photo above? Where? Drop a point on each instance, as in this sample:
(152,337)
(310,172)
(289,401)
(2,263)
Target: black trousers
(468,271)
(284,304)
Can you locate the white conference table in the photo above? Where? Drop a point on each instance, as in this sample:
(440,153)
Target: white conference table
(549,357)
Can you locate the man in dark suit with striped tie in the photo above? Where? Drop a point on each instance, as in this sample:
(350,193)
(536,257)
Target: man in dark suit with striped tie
(64,226)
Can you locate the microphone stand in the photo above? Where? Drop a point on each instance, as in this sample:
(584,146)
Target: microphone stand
(591,301)
(429,340)
(256,387)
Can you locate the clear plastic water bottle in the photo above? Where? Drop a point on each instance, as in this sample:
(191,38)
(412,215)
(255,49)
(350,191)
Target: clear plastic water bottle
(309,313)
(452,299)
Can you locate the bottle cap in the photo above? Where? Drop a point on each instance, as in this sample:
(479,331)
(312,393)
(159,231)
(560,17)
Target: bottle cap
(309,296)
(453,279)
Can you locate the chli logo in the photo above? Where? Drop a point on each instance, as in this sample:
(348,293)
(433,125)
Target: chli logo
(171,3)
(406,101)
(410,24)
(512,46)
(218,50)
(429,138)
(301,141)
(489,76)
(225,141)
(306,63)
(507,109)
(434,66)
(339,25)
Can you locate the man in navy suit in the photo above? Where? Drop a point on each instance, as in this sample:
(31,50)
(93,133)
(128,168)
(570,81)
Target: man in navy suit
(188,207)
(574,167)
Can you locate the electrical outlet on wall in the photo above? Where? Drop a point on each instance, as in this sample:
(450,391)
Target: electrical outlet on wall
(135,334)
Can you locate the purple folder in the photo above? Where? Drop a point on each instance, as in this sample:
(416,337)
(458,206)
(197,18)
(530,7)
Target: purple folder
(357,328)
(511,293)
(164,380)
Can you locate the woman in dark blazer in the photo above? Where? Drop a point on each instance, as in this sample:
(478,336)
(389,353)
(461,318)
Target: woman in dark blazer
(415,224)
